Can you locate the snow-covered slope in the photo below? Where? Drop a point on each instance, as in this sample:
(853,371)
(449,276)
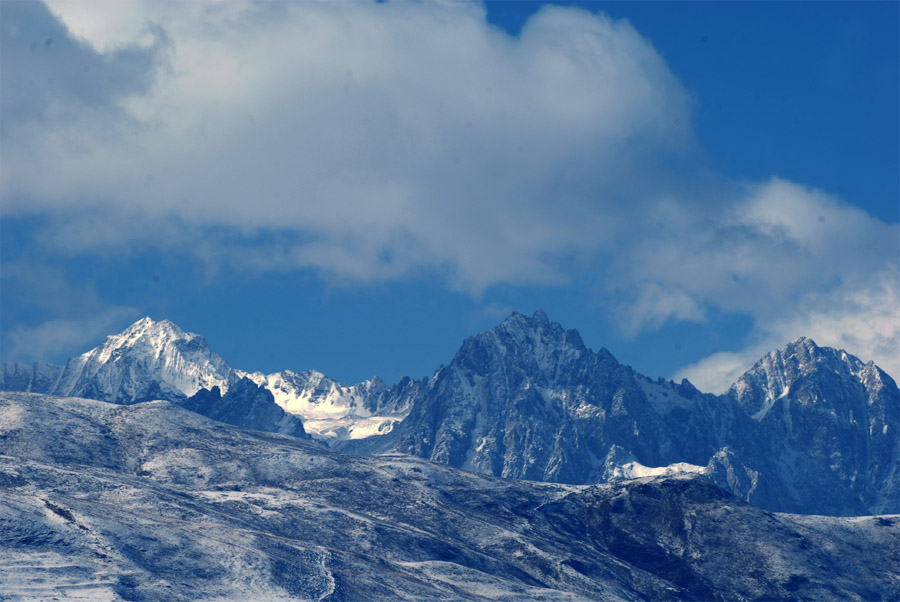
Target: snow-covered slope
(149,360)
(332,410)
(152,502)
(636,470)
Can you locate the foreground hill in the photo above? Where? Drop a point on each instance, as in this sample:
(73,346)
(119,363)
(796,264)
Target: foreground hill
(153,502)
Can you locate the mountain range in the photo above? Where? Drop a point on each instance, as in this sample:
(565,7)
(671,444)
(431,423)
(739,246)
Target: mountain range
(808,429)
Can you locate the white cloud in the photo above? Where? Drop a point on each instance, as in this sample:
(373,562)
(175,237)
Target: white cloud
(756,252)
(800,263)
(865,321)
(379,139)
(717,372)
(62,338)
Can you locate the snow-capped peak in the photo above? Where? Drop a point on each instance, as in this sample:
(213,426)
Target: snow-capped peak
(145,357)
(150,337)
(144,324)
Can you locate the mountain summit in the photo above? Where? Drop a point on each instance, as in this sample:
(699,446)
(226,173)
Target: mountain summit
(796,367)
(527,399)
(158,360)
(827,422)
(535,345)
(149,360)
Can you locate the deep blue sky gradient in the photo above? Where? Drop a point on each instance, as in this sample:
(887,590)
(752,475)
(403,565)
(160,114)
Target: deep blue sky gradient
(807,91)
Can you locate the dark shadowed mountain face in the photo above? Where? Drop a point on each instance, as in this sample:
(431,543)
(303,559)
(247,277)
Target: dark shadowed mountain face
(808,429)
(247,405)
(528,400)
(152,502)
(828,424)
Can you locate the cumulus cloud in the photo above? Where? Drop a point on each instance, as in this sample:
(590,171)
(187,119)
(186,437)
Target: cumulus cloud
(755,252)
(56,87)
(64,337)
(371,140)
(865,321)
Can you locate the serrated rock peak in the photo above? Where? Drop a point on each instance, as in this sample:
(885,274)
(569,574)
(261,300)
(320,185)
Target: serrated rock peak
(773,376)
(534,342)
(538,324)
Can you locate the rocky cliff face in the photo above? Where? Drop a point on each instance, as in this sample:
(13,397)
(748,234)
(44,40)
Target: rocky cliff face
(825,422)
(528,400)
(808,429)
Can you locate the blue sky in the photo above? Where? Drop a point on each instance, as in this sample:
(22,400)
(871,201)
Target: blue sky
(357,188)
